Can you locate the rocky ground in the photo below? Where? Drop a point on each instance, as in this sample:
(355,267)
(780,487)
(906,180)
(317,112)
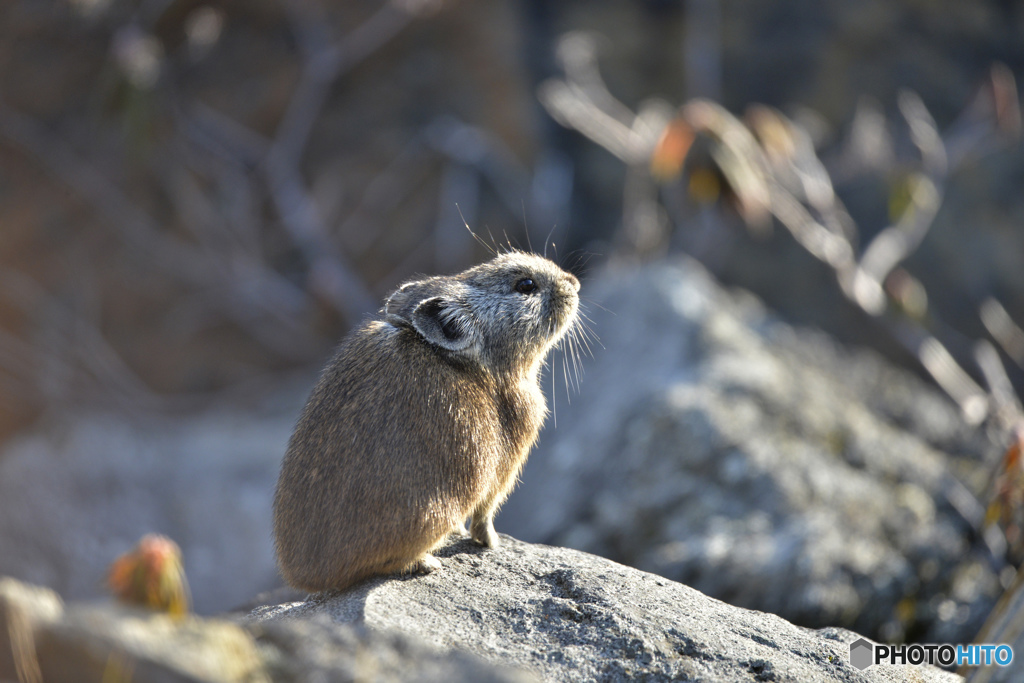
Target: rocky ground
(762,464)
(521,612)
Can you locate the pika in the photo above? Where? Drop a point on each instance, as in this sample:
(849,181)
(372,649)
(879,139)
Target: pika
(422,419)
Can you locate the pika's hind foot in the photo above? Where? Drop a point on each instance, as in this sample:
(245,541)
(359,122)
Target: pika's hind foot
(482,531)
(423,565)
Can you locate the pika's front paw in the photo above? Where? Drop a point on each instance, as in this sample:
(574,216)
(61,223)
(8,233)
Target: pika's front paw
(424,565)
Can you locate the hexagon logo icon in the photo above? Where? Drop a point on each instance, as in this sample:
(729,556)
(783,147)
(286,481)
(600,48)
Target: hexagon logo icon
(861,653)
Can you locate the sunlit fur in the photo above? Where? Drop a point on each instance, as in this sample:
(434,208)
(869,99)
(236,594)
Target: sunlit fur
(424,417)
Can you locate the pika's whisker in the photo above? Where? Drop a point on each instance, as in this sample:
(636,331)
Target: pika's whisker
(565,378)
(594,303)
(547,240)
(486,246)
(587,336)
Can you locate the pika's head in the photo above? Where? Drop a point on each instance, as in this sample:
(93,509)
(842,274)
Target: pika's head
(504,314)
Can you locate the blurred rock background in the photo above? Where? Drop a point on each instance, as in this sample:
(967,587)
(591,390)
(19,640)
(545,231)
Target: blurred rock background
(197,199)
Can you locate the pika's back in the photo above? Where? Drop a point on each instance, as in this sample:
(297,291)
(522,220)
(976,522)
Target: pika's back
(420,420)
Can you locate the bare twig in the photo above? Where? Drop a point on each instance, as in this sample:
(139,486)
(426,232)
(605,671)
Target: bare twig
(492,159)
(223,135)
(22,644)
(895,243)
(72,347)
(386,190)
(1002,328)
(330,273)
(992,118)
(1005,402)
(779,173)
(323,67)
(200,270)
(950,376)
(571,108)
(460,192)
(583,102)
(577,54)
(135,226)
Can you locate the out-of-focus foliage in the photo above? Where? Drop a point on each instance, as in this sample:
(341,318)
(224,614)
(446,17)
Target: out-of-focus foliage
(151,575)
(196,193)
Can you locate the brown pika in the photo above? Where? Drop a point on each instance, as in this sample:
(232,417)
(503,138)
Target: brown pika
(421,420)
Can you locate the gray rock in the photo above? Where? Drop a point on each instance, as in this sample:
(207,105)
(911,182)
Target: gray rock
(760,464)
(564,615)
(319,649)
(22,609)
(40,639)
(99,642)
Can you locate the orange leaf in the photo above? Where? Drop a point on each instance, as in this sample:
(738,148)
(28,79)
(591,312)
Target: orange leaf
(670,153)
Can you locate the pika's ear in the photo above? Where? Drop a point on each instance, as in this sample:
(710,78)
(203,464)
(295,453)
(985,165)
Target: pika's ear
(442,321)
(439,318)
(402,302)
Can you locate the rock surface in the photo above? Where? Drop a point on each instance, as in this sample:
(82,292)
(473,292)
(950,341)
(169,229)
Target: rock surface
(564,615)
(760,464)
(41,640)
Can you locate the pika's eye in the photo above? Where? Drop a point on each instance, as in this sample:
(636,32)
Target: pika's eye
(525,286)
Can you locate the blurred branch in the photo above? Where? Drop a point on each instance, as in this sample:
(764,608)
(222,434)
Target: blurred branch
(1002,328)
(992,117)
(772,169)
(896,242)
(583,102)
(330,273)
(576,53)
(242,293)
(472,146)
(223,136)
(69,351)
(941,365)
(795,166)
(134,225)
(1005,402)
(324,64)
(387,189)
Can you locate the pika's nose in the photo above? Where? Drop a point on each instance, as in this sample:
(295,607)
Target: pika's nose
(573,281)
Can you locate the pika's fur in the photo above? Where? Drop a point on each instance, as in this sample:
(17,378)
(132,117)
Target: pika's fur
(421,420)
